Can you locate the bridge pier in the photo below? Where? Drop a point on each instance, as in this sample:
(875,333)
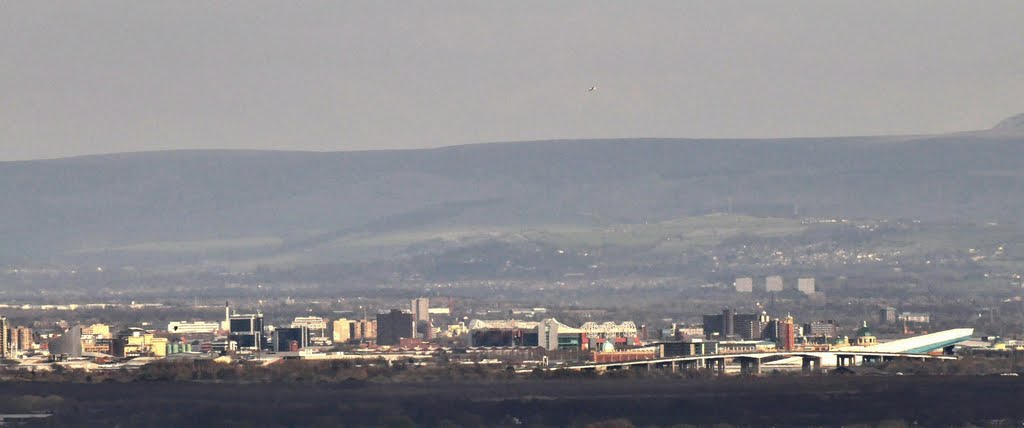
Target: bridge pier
(716,365)
(750,366)
(811,364)
(843,360)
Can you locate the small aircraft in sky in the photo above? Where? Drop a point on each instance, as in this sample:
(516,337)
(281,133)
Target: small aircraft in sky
(592,89)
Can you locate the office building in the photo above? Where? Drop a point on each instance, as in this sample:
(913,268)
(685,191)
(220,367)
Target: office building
(747,326)
(291,338)
(822,328)
(744,285)
(746,346)
(158,347)
(887,315)
(192,327)
(918,317)
(97,331)
(93,344)
(135,342)
(22,338)
(363,330)
(393,326)
(5,339)
(346,330)
(771,330)
(420,309)
(773,283)
(341,331)
(805,285)
(246,330)
(687,348)
(424,329)
(722,325)
(787,334)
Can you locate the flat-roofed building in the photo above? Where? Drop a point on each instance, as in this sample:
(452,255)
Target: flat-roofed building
(748,326)
(720,325)
(247,331)
(887,315)
(746,346)
(192,327)
(687,348)
(364,330)
(5,339)
(420,308)
(134,342)
(822,328)
(22,338)
(99,331)
(805,285)
(744,285)
(291,338)
(918,317)
(341,331)
(787,333)
(393,326)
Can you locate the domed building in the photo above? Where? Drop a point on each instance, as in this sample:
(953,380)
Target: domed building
(864,337)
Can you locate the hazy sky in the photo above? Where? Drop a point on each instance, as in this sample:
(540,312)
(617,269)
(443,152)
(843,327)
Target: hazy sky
(81,77)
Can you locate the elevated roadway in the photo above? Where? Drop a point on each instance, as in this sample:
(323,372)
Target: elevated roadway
(753,362)
(913,348)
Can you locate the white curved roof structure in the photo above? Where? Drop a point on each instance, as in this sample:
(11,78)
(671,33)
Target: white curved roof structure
(925,343)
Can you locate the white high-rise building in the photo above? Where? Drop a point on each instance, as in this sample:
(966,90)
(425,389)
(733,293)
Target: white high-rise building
(805,285)
(744,285)
(420,309)
(5,350)
(192,327)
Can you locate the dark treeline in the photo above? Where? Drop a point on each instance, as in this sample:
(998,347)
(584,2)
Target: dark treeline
(296,393)
(603,401)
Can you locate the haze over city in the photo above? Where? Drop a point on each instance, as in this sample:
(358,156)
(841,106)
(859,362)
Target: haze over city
(113,76)
(473,214)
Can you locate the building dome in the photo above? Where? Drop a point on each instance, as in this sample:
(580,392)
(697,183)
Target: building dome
(864,336)
(864,331)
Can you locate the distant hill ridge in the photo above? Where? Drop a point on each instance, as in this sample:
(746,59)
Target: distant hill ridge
(53,208)
(1011,126)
